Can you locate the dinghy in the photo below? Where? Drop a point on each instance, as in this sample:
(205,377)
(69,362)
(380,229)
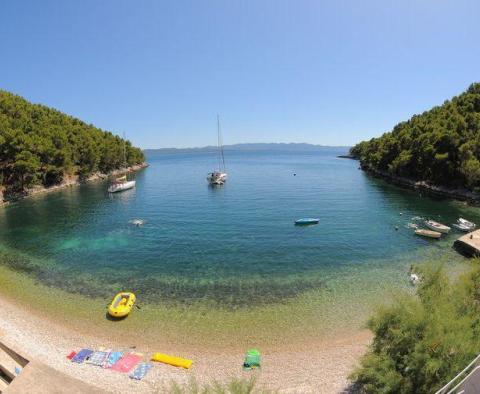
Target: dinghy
(438,227)
(306,221)
(466,223)
(122,304)
(462,227)
(428,233)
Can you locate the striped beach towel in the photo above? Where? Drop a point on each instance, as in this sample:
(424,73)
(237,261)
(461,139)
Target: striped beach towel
(127,362)
(81,356)
(98,358)
(141,370)
(112,359)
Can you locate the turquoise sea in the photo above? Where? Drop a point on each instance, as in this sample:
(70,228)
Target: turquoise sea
(234,246)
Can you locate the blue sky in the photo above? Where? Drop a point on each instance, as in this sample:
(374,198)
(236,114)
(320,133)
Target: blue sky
(326,72)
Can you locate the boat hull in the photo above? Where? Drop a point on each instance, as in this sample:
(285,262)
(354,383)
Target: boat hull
(463,228)
(217,178)
(115,188)
(438,227)
(306,221)
(428,233)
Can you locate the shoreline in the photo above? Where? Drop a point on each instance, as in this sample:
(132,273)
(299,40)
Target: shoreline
(468,196)
(71,181)
(287,367)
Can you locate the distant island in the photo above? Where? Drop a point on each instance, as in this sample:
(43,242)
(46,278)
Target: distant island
(249,147)
(439,149)
(42,148)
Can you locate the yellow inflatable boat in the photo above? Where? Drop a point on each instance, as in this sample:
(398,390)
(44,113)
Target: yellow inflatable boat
(122,304)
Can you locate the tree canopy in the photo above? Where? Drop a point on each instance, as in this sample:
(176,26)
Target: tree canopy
(40,145)
(422,341)
(440,146)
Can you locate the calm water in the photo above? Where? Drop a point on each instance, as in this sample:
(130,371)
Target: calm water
(235,245)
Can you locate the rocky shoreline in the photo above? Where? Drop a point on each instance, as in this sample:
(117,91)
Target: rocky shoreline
(69,181)
(425,187)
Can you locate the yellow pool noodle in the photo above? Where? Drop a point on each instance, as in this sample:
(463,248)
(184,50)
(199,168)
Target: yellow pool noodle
(172,360)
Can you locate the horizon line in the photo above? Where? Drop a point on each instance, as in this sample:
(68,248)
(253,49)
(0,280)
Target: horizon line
(253,143)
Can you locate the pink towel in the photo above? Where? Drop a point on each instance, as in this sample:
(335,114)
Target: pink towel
(127,362)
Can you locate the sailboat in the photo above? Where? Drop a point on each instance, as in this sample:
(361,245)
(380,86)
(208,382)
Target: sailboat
(122,183)
(218,177)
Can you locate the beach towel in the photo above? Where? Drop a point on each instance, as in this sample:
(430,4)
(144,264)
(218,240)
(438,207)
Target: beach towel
(112,358)
(98,358)
(127,362)
(71,355)
(141,370)
(81,356)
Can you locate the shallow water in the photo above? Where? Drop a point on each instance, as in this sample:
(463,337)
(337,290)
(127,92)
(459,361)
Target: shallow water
(233,246)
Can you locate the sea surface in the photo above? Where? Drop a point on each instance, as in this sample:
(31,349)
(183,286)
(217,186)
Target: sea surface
(236,246)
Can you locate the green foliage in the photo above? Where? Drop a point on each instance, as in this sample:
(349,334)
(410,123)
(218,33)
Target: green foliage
(421,342)
(441,145)
(39,145)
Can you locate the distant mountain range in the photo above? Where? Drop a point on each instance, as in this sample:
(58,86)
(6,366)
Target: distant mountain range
(291,147)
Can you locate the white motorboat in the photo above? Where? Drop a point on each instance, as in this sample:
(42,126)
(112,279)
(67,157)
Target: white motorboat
(428,233)
(218,177)
(464,225)
(467,223)
(435,226)
(121,184)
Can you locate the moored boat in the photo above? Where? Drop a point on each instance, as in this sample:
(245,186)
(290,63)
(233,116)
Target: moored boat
(438,227)
(466,223)
(306,221)
(121,184)
(462,227)
(428,233)
(218,177)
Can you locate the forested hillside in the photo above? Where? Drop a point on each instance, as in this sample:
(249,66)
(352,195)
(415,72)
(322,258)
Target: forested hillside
(39,145)
(440,146)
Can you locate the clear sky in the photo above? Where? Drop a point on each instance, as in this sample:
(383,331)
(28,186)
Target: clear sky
(326,72)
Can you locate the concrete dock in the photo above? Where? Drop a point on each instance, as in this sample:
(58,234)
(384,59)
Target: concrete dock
(469,244)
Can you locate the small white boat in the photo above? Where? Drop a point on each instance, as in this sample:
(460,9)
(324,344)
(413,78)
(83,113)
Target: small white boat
(438,227)
(121,184)
(428,233)
(466,223)
(462,227)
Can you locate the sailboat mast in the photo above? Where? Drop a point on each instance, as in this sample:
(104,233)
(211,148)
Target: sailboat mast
(221,158)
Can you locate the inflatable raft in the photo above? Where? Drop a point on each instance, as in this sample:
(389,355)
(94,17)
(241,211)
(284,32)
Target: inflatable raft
(122,304)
